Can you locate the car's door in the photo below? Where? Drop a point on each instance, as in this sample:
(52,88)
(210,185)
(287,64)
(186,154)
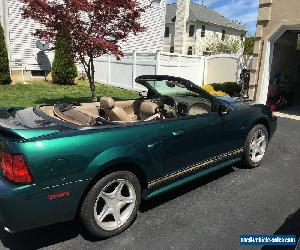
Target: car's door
(192,140)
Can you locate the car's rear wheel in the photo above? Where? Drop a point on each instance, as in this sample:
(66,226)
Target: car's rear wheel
(111,205)
(256,146)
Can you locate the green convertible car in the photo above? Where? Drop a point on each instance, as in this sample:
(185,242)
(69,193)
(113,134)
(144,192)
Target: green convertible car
(98,161)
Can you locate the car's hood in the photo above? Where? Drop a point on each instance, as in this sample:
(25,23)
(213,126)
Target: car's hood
(235,102)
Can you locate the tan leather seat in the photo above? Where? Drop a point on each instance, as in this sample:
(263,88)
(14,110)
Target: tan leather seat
(112,111)
(128,107)
(149,111)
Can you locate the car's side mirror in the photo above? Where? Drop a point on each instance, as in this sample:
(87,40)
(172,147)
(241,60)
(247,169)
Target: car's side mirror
(224,110)
(143,94)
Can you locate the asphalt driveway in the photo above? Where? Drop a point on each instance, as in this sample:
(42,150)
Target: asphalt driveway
(209,213)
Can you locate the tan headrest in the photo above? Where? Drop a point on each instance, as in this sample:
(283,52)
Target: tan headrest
(149,108)
(107,103)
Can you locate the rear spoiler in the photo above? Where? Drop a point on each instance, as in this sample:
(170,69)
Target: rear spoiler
(9,133)
(5,129)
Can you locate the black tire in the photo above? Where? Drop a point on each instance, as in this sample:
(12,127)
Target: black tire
(87,209)
(247,160)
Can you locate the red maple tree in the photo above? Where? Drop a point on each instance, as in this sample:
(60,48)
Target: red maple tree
(94,27)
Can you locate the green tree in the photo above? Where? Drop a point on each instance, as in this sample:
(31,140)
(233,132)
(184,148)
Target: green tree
(95,27)
(64,70)
(4,62)
(249,45)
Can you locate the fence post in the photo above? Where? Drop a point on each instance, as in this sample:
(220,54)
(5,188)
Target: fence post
(204,70)
(133,69)
(239,67)
(157,67)
(108,68)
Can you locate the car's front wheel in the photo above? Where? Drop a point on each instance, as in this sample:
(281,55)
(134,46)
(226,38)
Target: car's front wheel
(256,146)
(111,205)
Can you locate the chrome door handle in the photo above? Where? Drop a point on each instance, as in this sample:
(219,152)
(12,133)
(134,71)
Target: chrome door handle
(154,145)
(178,133)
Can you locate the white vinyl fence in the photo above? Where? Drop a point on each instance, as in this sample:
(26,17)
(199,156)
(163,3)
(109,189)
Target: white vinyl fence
(198,69)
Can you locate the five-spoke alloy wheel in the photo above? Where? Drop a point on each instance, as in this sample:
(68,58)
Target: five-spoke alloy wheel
(112,204)
(115,204)
(256,146)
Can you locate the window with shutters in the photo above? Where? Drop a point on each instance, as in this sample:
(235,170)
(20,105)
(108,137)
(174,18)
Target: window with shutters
(192,31)
(167,32)
(203,31)
(223,35)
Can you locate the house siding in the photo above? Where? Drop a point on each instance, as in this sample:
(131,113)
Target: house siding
(22,43)
(4,20)
(154,22)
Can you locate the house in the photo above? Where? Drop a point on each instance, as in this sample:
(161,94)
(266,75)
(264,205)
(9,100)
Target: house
(29,62)
(190,27)
(276,63)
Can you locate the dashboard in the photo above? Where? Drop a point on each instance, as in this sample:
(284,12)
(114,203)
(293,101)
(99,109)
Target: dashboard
(188,105)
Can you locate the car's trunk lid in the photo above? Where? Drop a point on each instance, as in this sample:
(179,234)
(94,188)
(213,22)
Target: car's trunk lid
(24,123)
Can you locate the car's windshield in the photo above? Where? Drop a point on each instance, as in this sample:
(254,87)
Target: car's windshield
(167,87)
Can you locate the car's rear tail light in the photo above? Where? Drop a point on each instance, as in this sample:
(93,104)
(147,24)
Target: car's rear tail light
(15,169)
(7,163)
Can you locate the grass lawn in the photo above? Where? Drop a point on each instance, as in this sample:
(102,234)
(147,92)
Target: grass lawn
(37,93)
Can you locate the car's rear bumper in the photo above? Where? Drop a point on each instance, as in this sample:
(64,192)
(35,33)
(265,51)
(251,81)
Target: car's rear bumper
(13,205)
(28,207)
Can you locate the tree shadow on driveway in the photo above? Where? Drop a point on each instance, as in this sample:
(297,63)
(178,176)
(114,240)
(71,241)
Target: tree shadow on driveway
(58,233)
(291,226)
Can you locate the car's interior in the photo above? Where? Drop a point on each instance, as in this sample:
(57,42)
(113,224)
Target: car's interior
(149,107)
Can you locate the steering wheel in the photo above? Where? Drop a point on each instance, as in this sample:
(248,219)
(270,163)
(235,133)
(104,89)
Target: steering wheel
(170,101)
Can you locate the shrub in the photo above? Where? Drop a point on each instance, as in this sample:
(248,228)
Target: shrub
(4,62)
(230,88)
(209,88)
(249,45)
(64,70)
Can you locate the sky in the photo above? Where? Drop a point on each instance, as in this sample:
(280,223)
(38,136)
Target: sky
(243,10)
